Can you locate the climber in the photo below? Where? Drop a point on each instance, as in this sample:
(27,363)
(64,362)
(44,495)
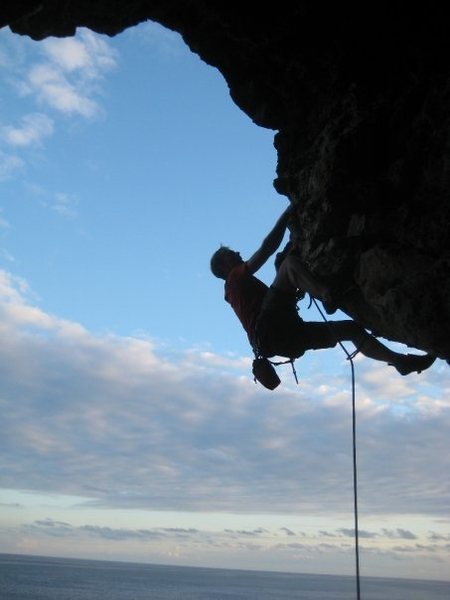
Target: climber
(269,314)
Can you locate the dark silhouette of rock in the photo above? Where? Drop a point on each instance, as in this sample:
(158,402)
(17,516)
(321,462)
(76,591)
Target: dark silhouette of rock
(360,97)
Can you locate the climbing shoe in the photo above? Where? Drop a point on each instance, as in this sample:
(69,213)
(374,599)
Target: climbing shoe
(414,363)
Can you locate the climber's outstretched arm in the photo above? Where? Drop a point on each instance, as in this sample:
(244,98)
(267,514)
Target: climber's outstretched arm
(270,243)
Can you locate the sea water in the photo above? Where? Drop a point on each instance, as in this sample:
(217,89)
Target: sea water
(41,578)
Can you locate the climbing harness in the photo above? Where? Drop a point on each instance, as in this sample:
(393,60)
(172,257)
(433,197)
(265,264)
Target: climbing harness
(263,368)
(350,357)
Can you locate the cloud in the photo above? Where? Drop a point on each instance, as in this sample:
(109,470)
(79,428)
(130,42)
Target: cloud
(247,533)
(13,289)
(393,534)
(54,528)
(362,533)
(6,255)
(166,43)
(109,533)
(9,164)
(64,204)
(63,75)
(417,549)
(438,537)
(88,53)
(4,224)
(113,419)
(51,523)
(68,78)
(257,547)
(287,531)
(34,127)
(58,77)
(329,534)
(53,88)
(374,383)
(399,533)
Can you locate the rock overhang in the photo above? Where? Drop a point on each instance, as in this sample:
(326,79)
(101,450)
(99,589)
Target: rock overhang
(360,102)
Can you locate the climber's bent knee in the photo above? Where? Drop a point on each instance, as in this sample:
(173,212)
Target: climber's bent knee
(318,335)
(348,331)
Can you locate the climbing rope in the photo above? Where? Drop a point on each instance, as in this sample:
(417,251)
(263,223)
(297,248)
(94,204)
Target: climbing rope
(350,357)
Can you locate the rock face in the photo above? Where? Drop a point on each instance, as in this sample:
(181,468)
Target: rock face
(360,99)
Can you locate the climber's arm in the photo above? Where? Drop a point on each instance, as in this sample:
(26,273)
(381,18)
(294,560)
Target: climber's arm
(270,243)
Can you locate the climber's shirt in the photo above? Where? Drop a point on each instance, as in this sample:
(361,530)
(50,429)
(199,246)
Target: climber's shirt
(246,294)
(270,318)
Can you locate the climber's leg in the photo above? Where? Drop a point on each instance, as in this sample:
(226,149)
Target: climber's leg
(293,274)
(341,331)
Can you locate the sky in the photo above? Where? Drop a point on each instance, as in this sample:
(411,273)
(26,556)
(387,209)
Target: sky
(131,428)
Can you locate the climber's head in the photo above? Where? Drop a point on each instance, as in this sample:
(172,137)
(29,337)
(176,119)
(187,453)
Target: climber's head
(223,260)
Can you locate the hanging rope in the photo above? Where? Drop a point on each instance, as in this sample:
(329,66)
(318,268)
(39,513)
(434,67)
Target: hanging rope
(350,357)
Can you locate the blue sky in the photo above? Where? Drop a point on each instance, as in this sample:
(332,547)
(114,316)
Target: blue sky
(131,427)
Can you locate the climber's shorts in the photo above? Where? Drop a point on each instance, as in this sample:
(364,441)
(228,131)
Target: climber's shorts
(279,330)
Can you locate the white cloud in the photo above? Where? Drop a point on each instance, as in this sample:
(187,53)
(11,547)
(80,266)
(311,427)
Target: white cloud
(260,547)
(52,88)
(13,289)
(209,359)
(64,204)
(3,222)
(33,129)
(88,53)
(68,78)
(9,164)
(6,255)
(60,75)
(374,381)
(69,54)
(111,419)
(49,527)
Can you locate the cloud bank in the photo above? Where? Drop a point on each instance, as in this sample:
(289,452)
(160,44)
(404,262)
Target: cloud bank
(265,546)
(120,421)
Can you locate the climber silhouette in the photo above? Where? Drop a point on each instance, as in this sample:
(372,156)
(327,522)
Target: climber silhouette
(269,314)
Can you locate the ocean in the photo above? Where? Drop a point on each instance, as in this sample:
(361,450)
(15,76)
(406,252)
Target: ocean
(42,578)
